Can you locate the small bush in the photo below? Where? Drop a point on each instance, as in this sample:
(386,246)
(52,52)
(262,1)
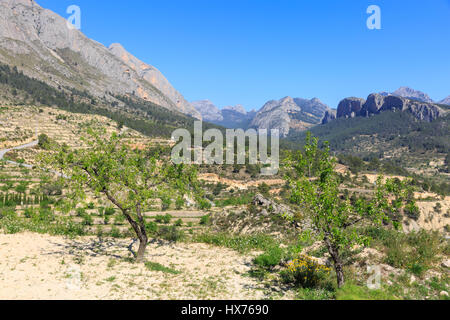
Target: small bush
(170,233)
(305,272)
(151,227)
(205,220)
(271,258)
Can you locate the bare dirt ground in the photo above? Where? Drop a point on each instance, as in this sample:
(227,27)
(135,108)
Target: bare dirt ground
(34,266)
(241,185)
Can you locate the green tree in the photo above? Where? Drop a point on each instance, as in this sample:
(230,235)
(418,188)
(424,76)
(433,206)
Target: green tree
(130,178)
(315,188)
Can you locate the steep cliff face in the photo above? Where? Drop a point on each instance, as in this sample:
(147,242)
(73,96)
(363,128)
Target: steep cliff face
(376,103)
(40,43)
(288,113)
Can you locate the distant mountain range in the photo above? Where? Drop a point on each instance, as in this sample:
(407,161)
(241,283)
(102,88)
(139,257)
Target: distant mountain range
(406,92)
(41,45)
(229,117)
(285,115)
(296,114)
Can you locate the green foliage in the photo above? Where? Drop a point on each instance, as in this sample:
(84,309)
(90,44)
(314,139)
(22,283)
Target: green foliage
(44,223)
(269,259)
(240,243)
(130,178)
(238,200)
(203,204)
(170,233)
(179,203)
(305,272)
(416,251)
(154,266)
(205,220)
(315,187)
(355,292)
(264,189)
(44,142)
(163,218)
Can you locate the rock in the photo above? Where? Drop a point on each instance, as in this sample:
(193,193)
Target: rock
(409,93)
(372,105)
(350,107)
(329,116)
(377,103)
(208,110)
(267,207)
(230,117)
(445,101)
(412,279)
(290,113)
(446,263)
(443,294)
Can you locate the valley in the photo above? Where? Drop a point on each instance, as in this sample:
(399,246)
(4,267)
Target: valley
(94,206)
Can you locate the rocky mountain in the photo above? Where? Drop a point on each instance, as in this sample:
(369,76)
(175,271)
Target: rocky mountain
(40,43)
(377,103)
(208,111)
(229,117)
(446,101)
(409,93)
(290,113)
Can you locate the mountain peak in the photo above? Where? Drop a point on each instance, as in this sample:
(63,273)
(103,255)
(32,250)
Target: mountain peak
(237,108)
(407,92)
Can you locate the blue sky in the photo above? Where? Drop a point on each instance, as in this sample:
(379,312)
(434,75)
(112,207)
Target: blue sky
(251,51)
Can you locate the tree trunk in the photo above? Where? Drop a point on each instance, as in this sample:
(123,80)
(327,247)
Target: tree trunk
(339,274)
(143,240)
(337,261)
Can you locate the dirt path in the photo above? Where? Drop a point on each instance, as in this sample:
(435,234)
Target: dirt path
(34,266)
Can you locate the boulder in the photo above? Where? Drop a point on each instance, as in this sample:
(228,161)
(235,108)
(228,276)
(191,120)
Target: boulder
(350,108)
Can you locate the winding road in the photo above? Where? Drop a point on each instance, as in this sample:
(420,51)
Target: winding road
(25,146)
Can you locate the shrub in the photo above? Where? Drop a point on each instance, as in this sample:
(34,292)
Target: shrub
(87,220)
(205,220)
(165,203)
(204,204)
(170,233)
(179,223)
(44,142)
(271,258)
(28,213)
(412,211)
(179,203)
(305,272)
(163,219)
(151,227)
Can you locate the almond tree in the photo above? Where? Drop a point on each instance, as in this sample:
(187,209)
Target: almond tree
(131,178)
(315,188)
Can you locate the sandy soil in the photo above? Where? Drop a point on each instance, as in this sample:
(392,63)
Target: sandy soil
(241,185)
(34,266)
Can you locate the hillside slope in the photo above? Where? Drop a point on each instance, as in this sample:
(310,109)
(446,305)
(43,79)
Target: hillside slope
(39,43)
